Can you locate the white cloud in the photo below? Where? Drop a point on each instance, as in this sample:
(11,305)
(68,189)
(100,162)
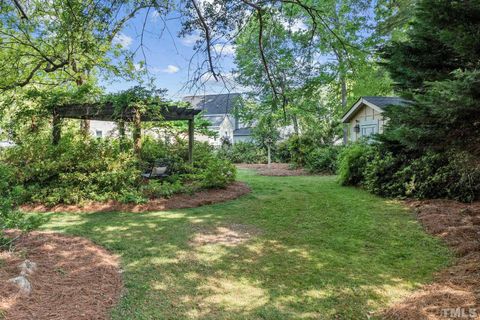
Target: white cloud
(226,49)
(294,26)
(190,39)
(171,69)
(139,66)
(123,40)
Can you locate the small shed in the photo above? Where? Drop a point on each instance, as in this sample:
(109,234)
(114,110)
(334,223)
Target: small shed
(107,111)
(366,118)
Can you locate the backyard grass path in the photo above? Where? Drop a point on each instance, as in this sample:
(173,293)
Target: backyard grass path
(295,248)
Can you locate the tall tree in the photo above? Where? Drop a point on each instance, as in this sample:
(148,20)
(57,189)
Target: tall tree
(438,67)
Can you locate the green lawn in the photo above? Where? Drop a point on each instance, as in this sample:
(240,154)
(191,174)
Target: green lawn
(318,251)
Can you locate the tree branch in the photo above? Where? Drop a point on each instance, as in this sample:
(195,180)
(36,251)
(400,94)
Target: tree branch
(206,29)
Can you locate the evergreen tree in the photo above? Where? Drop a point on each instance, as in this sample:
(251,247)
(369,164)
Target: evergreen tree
(438,69)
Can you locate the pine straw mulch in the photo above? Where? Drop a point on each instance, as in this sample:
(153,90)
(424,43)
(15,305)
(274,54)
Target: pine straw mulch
(458,286)
(274,170)
(178,201)
(74,279)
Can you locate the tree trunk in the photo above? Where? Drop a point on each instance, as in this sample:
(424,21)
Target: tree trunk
(85,123)
(56,129)
(191,137)
(85,127)
(295,124)
(137,132)
(121,133)
(269,156)
(344,91)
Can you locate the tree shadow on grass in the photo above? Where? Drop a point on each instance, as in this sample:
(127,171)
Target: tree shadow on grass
(309,259)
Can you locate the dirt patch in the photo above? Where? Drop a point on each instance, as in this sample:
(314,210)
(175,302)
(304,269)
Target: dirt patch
(228,235)
(74,279)
(179,201)
(455,292)
(274,170)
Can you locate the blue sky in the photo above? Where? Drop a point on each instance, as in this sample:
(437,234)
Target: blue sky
(167,56)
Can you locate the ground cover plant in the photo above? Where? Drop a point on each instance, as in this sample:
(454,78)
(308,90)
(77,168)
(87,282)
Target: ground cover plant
(81,168)
(243,152)
(327,251)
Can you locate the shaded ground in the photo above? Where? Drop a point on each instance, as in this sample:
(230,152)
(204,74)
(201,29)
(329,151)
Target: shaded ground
(178,201)
(294,248)
(274,169)
(75,279)
(228,235)
(458,286)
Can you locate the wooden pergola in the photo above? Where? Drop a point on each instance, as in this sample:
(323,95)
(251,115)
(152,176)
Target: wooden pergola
(109,112)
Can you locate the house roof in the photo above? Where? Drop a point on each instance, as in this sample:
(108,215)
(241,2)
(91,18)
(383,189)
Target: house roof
(213,103)
(215,121)
(376,103)
(242,132)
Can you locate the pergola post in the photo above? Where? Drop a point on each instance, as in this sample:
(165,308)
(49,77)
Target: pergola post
(121,129)
(137,131)
(190,139)
(56,129)
(121,133)
(85,127)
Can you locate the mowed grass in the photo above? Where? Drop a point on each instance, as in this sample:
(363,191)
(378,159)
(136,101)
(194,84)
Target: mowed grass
(319,251)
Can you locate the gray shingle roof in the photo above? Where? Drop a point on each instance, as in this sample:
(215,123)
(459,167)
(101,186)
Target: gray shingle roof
(215,121)
(380,102)
(242,132)
(383,102)
(214,103)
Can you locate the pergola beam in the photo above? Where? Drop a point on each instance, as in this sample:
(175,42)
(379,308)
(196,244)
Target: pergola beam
(109,112)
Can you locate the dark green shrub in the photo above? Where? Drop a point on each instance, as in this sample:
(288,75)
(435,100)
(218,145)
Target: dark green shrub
(11,194)
(243,152)
(166,189)
(217,173)
(323,160)
(76,170)
(83,169)
(296,149)
(352,163)
(454,175)
(380,174)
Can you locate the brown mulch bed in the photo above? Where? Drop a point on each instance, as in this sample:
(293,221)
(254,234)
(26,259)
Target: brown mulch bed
(74,279)
(458,286)
(179,201)
(274,170)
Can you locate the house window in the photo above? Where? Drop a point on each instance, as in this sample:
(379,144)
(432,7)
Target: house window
(99,133)
(368,130)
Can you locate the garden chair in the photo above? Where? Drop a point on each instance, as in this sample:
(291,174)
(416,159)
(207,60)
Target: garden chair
(159,170)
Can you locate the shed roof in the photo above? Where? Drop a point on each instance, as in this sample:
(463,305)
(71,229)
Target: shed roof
(376,102)
(214,103)
(383,102)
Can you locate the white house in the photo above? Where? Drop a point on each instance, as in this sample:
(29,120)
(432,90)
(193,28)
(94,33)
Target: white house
(4,142)
(365,117)
(218,109)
